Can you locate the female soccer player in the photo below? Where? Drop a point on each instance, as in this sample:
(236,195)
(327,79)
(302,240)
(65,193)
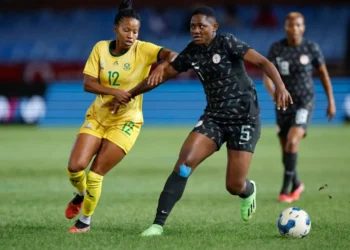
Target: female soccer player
(231,115)
(295,59)
(112,67)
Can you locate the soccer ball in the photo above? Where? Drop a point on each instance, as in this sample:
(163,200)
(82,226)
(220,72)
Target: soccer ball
(294,222)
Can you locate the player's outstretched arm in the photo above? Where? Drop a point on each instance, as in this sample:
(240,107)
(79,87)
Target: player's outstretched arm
(268,83)
(92,85)
(327,85)
(167,56)
(282,97)
(143,87)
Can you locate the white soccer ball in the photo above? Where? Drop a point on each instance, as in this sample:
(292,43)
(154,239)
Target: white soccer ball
(294,222)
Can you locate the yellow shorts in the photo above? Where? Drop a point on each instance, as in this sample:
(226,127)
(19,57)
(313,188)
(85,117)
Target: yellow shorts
(124,135)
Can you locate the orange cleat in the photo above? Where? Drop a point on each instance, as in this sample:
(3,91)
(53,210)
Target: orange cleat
(79,227)
(74,206)
(74,229)
(297,192)
(285,198)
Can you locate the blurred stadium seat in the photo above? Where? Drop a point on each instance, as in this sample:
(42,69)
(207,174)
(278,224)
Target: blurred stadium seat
(69,35)
(51,46)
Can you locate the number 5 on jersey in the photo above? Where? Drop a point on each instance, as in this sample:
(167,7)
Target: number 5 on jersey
(245,134)
(113,78)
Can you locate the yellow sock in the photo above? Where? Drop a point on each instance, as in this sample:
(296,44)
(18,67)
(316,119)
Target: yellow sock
(78,180)
(93,193)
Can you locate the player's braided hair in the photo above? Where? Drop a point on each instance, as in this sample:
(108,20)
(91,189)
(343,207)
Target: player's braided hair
(126,11)
(206,11)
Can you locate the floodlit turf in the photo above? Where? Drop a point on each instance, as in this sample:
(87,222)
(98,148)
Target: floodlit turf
(34,192)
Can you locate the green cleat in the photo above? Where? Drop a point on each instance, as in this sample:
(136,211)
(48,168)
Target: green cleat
(248,205)
(153,230)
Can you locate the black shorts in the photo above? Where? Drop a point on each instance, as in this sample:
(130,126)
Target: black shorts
(286,120)
(241,136)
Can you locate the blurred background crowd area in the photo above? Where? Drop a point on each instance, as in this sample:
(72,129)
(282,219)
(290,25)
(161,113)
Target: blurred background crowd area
(36,32)
(49,42)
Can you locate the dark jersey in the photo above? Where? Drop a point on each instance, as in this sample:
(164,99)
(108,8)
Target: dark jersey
(230,93)
(295,65)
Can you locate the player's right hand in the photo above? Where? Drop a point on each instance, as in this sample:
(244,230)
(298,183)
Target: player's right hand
(156,77)
(282,98)
(331,110)
(121,96)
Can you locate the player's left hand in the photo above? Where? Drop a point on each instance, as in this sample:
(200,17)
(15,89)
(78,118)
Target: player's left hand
(282,98)
(113,105)
(156,77)
(331,110)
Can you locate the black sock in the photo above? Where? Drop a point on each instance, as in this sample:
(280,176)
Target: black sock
(248,191)
(79,224)
(296,182)
(172,192)
(290,163)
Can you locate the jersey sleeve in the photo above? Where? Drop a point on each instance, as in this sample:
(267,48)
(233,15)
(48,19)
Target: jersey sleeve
(317,56)
(236,47)
(150,52)
(182,62)
(92,65)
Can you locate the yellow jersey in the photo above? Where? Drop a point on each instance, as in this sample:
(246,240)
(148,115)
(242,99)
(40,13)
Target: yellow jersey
(123,71)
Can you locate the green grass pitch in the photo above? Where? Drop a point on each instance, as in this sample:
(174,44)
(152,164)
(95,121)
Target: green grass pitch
(34,192)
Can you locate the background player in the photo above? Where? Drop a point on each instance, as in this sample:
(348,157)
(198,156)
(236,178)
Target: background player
(112,67)
(231,115)
(295,58)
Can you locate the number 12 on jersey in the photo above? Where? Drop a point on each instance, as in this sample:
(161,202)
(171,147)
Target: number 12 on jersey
(113,78)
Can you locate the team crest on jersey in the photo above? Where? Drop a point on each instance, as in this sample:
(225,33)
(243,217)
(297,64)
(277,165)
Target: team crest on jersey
(126,66)
(304,59)
(216,58)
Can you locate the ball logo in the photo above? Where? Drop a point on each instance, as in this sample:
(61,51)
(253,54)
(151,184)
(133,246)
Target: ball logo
(216,58)
(304,59)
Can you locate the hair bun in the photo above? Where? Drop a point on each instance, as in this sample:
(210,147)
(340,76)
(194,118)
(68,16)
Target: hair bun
(126,4)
